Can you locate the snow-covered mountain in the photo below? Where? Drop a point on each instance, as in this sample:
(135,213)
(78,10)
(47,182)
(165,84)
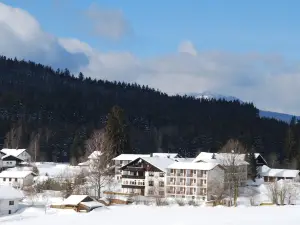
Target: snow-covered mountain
(267,114)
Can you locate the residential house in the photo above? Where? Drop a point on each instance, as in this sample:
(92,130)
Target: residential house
(10,161)
(18,179)
(234,164)
(9,200)
(146,176)
(194,181)
(19,153)
(122,160)
(80,203)
(272,175)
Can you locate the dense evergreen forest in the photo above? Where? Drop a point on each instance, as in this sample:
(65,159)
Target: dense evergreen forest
(53,113)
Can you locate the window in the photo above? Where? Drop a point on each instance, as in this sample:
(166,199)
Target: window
(11,202)
(151,174)
(151,183)
(161,193)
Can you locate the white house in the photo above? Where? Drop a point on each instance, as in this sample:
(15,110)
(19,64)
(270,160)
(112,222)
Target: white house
(146,176)
(10,161)
(19,153)
(271,175)
(227,160)
(122,160)
(9,200)
(194,181)
(18,179)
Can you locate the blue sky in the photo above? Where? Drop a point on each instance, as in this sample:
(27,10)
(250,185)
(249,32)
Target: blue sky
(247,49)
(228,25)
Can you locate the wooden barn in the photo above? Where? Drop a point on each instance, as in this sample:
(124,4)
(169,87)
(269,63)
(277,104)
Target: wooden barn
(80,203)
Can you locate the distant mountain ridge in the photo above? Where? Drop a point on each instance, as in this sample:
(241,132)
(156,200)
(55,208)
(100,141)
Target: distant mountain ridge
(262,113)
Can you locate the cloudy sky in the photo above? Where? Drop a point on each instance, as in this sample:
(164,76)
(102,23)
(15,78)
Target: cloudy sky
(245,49)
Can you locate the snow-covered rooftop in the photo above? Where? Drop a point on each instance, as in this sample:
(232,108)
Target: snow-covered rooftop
(166,155)
(161,163)
(8,192)
(193,166)
(221,158)
(92,204)
(270,172)
(13,152)
(15,174)
(95,155)
(74,199)
(130,157)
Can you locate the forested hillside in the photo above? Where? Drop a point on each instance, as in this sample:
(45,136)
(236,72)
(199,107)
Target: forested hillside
(55,112)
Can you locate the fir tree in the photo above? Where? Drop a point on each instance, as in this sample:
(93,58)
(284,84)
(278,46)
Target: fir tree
(116,137)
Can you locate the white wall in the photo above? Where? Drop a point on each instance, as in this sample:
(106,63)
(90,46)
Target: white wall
(25,156)
(5,207)
(17,182)
(7,164)
(156,189)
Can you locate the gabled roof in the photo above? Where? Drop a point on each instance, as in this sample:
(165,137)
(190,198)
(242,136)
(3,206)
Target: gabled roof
(8,192)
(95,155)
(270,172)
(15,174)
(130,157)
(74,199)
(166,155)
(13,152)
(220,158)
(158,162)
(11,158)
(193,166)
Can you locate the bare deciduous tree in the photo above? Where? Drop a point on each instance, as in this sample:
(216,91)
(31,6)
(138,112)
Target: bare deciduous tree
(100,173)
(230,156)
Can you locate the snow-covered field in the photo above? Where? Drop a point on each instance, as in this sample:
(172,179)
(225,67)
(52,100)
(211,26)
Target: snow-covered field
(149,215)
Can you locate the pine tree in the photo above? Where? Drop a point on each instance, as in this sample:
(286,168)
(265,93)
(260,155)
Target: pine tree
(252,168)
(116,137)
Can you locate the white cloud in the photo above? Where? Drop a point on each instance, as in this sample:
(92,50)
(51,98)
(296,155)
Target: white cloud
(107,23)
(187,47)
(268,80)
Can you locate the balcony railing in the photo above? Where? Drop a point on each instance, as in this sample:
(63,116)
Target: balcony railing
(134,176)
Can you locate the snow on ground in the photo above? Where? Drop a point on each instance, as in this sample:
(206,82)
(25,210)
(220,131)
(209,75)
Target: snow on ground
(149,215)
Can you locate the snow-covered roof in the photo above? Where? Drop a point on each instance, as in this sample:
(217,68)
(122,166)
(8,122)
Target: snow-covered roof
(270,172)
(74,199)
(166,155)
(158,162)
(221,158)
(95,155)
(15,174)
(13,152)
(86,163)
(11,156)
(130,157)
(193,166)
(92,204)
(8,192)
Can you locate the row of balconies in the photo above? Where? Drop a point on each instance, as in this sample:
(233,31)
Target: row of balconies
(199,175)
(186,184)
(186,193)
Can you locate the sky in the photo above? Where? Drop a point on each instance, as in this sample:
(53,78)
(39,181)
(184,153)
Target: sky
(247,49)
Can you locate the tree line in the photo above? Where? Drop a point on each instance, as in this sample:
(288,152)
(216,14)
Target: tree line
(53,113)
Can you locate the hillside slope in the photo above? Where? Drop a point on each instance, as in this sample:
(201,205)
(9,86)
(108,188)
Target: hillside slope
(56,112)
